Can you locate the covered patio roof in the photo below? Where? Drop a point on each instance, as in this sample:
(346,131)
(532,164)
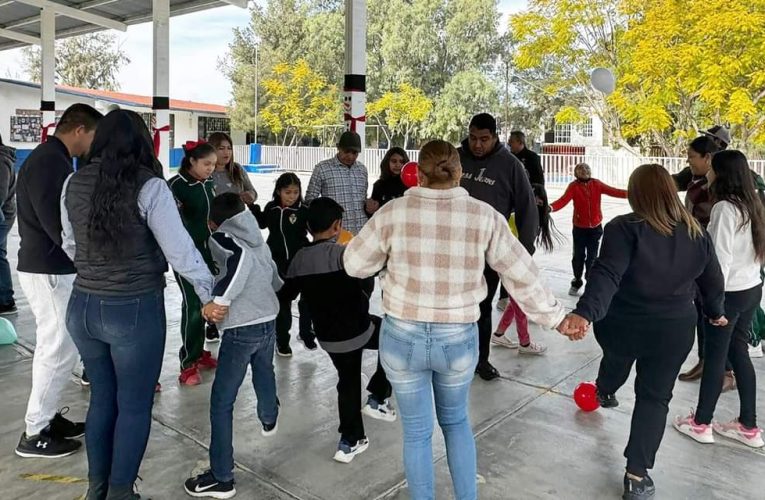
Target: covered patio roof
(20,19)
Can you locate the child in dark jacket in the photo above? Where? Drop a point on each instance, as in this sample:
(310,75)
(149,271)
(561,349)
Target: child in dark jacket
(339,308)
(586,193)
(194,191)
(285,218)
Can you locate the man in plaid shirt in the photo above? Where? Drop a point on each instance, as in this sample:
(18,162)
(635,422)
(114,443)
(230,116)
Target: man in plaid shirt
(345,180)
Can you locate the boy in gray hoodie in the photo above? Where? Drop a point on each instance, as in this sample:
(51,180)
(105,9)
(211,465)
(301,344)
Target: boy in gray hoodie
(246,284)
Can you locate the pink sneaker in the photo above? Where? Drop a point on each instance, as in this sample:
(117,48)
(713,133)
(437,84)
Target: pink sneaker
(734,430)
(701,433)
(190,376)
(207,361)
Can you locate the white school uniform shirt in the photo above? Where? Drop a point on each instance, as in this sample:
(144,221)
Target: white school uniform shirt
(734,247)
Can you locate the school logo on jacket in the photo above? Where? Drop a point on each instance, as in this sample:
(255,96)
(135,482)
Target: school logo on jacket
(293,218)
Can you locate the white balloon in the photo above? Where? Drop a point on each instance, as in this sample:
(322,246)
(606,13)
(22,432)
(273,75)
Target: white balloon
(603,80)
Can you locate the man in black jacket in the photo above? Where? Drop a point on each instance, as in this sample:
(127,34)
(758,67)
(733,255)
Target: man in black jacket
(531,161)
(46,275)
(7,218)
(491,173)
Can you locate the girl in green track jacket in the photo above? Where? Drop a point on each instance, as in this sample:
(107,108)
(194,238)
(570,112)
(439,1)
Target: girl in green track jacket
(194,191)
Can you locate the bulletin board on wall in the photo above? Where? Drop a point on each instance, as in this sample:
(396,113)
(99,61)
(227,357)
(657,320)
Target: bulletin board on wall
(26,125)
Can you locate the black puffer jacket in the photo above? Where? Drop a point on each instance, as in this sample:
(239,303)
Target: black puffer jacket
(8,182)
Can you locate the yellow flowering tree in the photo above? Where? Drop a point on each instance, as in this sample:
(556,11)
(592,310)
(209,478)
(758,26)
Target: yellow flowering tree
(400,112)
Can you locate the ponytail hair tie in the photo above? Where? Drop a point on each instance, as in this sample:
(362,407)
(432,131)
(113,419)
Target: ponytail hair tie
(192,145)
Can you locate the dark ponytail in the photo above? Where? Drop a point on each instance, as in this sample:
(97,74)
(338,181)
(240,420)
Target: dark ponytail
(548,234)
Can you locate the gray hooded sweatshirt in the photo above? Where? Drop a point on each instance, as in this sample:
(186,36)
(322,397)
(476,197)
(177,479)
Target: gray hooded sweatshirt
(247,277)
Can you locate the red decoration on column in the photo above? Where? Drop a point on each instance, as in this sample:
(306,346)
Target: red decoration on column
(45,130)
(347,117)
(157,132)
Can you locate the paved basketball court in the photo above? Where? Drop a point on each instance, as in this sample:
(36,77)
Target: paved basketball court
(532,442)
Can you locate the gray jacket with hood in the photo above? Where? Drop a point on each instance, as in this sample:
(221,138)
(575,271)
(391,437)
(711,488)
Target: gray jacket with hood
(247,278)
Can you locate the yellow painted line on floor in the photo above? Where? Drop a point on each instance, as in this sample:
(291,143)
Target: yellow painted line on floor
(53,479)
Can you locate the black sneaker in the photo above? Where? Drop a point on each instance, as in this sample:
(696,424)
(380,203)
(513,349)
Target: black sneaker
(638,490)
(61,427)
(45,445)
(270,429)
(8,309)
(608,400)
(486,371)
(284,351)
(309,343)
(206,486)
(211,334)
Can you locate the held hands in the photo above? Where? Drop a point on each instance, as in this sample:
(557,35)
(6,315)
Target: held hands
(574,327)
(721,321)
(372,206)
(247,197)
(214,313)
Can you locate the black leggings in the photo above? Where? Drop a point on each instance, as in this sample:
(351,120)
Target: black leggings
(586,244)
(658,348)
(731,343)
(484,322)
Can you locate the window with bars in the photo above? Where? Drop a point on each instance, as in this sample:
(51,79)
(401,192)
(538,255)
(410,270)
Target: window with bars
(209,124)
(585,129)
(563,133)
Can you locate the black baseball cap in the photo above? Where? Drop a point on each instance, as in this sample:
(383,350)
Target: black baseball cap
(350,140)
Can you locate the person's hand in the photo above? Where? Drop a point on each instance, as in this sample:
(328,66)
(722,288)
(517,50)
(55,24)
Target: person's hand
(372,206)
(574,326)
(721,321)
(247,197)
(214,313)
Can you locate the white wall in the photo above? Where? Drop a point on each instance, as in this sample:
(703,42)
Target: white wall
(13,97)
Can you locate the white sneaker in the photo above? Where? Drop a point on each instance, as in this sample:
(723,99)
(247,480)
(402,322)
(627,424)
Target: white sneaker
(755,351)
(701,433)
(734,430)
(504,341)
(532,348)
(380,411)
(502,304)
(346,452)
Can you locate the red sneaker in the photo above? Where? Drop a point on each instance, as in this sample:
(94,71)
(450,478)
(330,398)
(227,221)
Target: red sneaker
(207,361)
(190,376)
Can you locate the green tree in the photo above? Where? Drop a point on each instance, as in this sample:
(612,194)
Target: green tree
(298,101)
(90,61)
(400,113)
(468,93)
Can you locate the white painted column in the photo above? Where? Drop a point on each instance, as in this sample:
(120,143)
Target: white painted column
(48,66)
(161,74)
(354,96)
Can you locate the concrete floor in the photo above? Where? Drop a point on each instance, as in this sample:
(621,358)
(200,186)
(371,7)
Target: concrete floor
(532,441)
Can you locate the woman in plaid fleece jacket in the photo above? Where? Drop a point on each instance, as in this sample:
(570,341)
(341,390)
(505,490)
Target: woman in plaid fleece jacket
(431,246)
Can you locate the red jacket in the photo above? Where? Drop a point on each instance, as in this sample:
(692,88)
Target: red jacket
(586,196)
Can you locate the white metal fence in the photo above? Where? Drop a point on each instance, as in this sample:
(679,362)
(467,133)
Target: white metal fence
(559,169)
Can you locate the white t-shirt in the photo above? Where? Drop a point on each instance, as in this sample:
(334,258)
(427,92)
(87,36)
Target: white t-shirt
(734,247)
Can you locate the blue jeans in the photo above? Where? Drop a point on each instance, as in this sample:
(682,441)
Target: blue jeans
(6,283)
(253,346)
(423,361)
(121,341)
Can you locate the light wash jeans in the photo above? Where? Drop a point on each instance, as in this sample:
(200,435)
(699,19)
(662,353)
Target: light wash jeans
(55,353)
(427,361)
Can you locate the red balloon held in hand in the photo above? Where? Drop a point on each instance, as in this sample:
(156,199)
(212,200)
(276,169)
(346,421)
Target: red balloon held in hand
(409,174)
(586,396)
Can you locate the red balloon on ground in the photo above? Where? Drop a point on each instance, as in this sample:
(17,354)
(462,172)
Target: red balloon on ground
(409,174)
(586,396)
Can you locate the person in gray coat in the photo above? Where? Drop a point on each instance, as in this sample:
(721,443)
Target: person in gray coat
(8,212)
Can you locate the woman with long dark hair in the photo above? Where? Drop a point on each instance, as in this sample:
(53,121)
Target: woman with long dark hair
(121,227)
(389,186)
(639,296)
(737,228)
